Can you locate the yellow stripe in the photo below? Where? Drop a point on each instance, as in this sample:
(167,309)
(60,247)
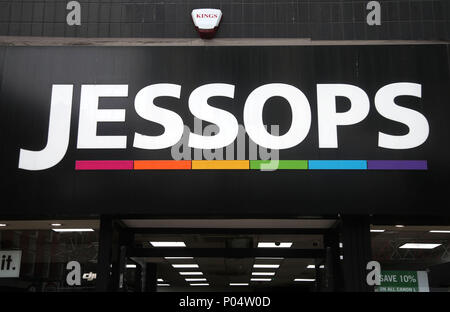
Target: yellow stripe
(220,164)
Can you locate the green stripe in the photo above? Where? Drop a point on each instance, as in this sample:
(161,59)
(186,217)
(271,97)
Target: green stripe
(282,164)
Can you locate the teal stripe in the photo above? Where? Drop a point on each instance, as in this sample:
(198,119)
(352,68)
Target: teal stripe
(337,164)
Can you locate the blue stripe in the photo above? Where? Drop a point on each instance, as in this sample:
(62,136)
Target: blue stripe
(337,164)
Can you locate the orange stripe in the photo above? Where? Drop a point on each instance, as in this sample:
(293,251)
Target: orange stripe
(220,164)
(162,164)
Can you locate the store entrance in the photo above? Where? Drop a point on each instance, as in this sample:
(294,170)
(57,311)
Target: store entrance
(229,255)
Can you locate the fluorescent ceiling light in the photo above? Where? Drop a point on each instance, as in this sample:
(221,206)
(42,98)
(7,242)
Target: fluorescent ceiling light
(399,226)
(312,266)
(73,230)
(56,224)
(269,258)
(168,244)
(199,284)
(260,279)
(266,266)
(377,231)
(185,266)
(176,258)
(162,285)
(274,245)
(341,245)
(341,257)
(195,279)
(238,284)
(131,266)
(419,246)
(439,231)
(160,280)
(263,273)
(304,280)
(3,224)
(191,273)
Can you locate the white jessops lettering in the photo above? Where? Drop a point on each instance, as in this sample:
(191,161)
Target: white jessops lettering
(416,122)
(225,121)
(329,119)
(253,116)
(58,132)
(91,115)
(146,108)
(226,129)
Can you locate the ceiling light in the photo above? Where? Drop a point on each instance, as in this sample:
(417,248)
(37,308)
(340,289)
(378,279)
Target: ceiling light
(73,230)
(176,258)
(304,280)
(162,285)
(260,279)
(131,266)
(263,273)
(266,266)
(168,244)
(399,226)
(195,279)
(341,245)
(238,284)
(312,266)
(56,224)
(341,257)
(160,280)
(419,246)
(185,266)
(269,258)
(439,231)
(3,224)
(199,284)
(191,273)
(377,231)
(274,245)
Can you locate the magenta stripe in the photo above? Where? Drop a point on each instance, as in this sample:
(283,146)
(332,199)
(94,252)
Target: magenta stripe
(104,165)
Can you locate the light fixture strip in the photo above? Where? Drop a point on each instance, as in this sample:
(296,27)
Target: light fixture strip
(263,273)
(419,246)
(274,245)
(266,266)
(191,273)
(72,230)
(185,266)
(168,244)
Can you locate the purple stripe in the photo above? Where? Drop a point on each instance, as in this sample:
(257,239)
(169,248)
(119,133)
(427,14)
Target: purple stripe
(104,164)
(397,165)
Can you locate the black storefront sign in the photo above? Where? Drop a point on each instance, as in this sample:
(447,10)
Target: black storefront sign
(359,176)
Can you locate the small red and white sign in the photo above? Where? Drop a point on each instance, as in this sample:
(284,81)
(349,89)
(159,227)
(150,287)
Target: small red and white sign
(206,21)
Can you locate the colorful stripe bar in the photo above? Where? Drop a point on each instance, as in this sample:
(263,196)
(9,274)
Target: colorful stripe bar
(103,165)
(251,164)
(337,164)
(220,164)
(397,165)
(279,164)
(162,164)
